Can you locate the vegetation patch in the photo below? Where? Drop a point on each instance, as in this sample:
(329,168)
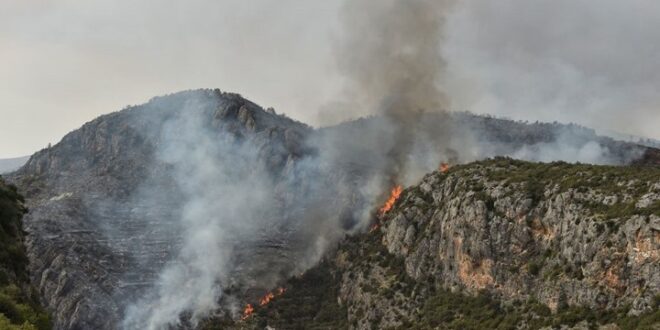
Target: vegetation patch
(449,310)
(19,307)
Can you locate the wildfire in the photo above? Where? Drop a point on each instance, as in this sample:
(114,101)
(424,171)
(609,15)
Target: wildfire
(444,167)
(265,300)
(394,195)
(247,312)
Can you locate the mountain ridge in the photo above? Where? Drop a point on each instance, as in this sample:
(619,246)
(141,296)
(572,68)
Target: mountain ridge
(8,165)
(96,241)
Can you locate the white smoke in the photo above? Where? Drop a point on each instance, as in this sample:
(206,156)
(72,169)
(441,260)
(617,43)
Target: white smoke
(227,194)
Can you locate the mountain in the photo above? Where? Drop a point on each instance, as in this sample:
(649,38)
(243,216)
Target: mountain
(496,244)
(207,191)
(12,164)
(97,238)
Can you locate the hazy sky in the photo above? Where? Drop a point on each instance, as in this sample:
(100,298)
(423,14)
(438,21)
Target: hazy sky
(64,62)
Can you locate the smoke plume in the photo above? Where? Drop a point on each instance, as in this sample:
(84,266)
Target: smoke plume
(390,55)
(227,196)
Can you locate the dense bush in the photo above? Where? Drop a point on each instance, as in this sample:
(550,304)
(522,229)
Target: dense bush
(18,308)
(448,310)
(610,180)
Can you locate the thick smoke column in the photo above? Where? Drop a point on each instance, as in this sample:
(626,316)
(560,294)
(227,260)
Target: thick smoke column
(390,54)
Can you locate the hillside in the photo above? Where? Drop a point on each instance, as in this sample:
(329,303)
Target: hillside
(138,203)
(19,301)
(496,244)
(105,202)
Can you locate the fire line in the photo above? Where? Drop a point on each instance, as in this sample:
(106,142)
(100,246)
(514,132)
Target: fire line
(265,300)
(394,195)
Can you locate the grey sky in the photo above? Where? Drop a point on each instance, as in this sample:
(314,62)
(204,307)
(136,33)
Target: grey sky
(64,62)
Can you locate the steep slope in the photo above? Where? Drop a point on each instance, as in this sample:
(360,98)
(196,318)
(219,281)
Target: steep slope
(97,239)
(111,204)
(494,244)
(19,304)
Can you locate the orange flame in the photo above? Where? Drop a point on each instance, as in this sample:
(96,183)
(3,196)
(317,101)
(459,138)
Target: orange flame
(444,167)
(394,195)
(247,312)
(265,300)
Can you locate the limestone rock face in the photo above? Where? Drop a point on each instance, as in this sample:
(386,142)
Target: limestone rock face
(519,231)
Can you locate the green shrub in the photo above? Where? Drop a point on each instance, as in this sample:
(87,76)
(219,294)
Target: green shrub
(18,305)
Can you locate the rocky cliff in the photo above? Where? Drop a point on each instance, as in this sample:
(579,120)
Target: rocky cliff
(498,244)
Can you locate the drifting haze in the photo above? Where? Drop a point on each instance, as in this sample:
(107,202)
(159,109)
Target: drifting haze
(591,62)
(389,53)
(65,62)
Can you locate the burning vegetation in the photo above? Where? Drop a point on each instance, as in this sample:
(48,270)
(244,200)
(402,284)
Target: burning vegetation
(394,196)
(247,312)
(265,300)
(270,296)
(444,167)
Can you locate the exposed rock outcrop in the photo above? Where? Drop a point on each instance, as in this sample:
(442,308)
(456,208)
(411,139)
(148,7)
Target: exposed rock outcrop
(501,244)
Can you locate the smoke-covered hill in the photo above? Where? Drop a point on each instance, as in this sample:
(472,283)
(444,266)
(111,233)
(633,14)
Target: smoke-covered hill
(198,202)
(134,195)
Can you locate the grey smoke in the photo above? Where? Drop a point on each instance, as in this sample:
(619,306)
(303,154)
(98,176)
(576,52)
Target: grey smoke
(390,54)
(227,195)
(590,62)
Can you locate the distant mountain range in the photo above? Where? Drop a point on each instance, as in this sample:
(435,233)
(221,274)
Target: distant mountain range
(12,164)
